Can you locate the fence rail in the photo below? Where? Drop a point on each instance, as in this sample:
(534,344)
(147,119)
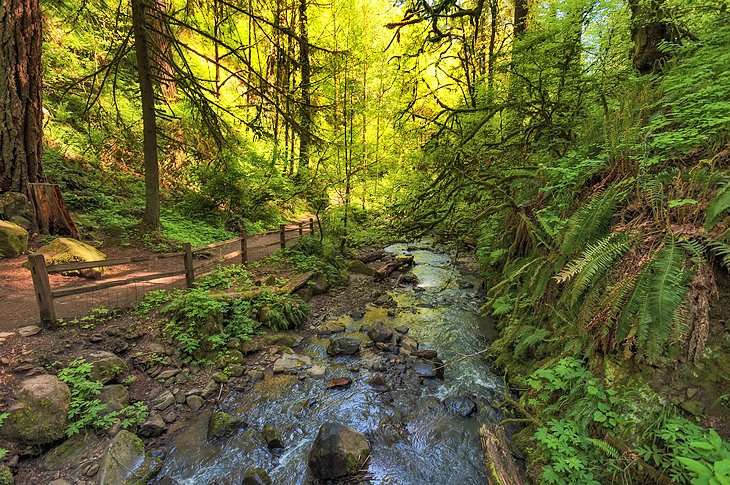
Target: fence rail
(246,245)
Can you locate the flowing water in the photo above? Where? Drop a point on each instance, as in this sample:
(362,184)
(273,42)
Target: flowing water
(415,439)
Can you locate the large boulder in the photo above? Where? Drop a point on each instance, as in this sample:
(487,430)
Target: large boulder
(125,462)
(68,453)
(13,240)
(338,451)
(15,204)
(39,414)
(68,250)
(344,346)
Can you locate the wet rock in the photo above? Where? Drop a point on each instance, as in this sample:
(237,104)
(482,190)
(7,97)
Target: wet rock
(236,370)
(424,369)
(63,456)
(377,382)
(291,363)
(425,353)
(357,314)
(317,372)
(385,301)
(338,451)
(409,279)
(126,462)
(285,339)
(256,476)
(408,345)
(462,406)
(402,329)
(170,417)
(380,332)
(220,424)
(344,346)
(339,382)
(330,328)
(153,427)
(195,403)
(272,437)
(39,413)
(106,366)
(219,377)
(383,347)
(115,397)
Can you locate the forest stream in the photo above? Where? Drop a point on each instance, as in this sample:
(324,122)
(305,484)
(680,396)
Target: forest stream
(421,429)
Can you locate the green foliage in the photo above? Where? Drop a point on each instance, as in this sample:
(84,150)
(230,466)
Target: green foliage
(86,410)
(281,312)
(225,277)
(719,206)
(3,417)
(152,300)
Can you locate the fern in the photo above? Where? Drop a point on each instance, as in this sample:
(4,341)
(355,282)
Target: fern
(593,220)
(606,448)
(719,206)
(593,263)
(719,249)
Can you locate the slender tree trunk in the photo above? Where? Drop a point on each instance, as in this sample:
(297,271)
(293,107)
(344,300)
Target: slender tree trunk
(21,105)
(522,8)
(493,12)
(146,86)
(305,111)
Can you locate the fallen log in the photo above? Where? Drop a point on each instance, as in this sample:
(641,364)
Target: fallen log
(501,468)
(370,256)
(397,263)
(297,282)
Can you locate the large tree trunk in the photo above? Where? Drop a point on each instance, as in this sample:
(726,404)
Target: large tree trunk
(522,8)
(305,136)
(162,54)
(21,108)
(146,86)
(648,31)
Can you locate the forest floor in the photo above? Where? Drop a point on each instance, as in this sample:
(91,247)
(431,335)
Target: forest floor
(20,309)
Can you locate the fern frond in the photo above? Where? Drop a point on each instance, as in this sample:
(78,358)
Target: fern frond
(719,206)
(719,249)
(593,220)
(667,289)
(593,263)
(606,448)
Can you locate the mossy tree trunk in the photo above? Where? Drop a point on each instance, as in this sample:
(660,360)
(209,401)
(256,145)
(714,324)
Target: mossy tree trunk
(21,107)
(648,31)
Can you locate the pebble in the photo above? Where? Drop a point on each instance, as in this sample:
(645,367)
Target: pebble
(339,382)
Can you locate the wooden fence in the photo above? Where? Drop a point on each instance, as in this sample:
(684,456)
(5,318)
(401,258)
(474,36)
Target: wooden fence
(246,250)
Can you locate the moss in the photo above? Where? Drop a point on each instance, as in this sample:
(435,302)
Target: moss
(220,424)
(6,476)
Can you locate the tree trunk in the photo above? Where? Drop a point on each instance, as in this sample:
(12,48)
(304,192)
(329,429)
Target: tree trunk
(21,107)
(146,86)
(162,54)
(305,111)
(522,8)
(648,31)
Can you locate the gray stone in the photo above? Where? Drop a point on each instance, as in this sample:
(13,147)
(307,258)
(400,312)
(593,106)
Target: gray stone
(344,346)
(14,204)
(338,451)
(317,372)
(106,366)
(318,284)
(380,332)
(195,403)
(272,436)
(115,397)
(463,406)
(256,476)
(424,369)
(221,424)
(330,328)
(164,401)
(125,462)
(29,330)
(166,374)
(63,456)
(39,413)
(153,427)
(290,363)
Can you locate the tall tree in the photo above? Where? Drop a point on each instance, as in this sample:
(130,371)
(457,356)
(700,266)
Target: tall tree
(21,107)
(149,118)
(305,107)
(649,30)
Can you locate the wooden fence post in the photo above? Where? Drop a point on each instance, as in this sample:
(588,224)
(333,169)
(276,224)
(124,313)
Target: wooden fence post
(244,247)
(311,226)
(282,235)
(42,288)
(188,260)
(301,229)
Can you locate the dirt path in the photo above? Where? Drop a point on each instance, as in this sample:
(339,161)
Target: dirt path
(18,306)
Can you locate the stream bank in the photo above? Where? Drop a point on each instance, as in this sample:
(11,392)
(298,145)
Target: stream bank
(416,414)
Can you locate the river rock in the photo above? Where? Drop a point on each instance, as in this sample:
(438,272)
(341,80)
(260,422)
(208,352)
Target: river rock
(424,369)
(291,363)
(13,240)
(330,328)
(164,400)
(317,372)
(377,382)
(106,366)
(358,267)
(338,451)
(380,332)
(344,346)
(402,329)
(69,250)
(220,424)
(63,456)
(408,345)
(153,427)
(272,437)
(409,279)
(115,397)
(463,406)
(284,339)
(338,382)
(126,462)
(256,476)
(425,353)
(39,413)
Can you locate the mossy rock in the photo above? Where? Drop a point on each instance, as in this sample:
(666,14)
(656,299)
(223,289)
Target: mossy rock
(256,476)
(358,267)
(221,424)
(6,476)
(126,462)
(13,240)
(63,456)
(106,365)
(67,250)
(39,414)
(338,451)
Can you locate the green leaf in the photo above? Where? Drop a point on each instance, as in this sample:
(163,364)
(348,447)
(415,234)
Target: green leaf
(598,416)
(695,466)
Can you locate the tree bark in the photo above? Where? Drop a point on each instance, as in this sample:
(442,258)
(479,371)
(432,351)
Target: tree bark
(522,8)
(648,31)
(146,86)
(162,54)
(305,137)
(21,105)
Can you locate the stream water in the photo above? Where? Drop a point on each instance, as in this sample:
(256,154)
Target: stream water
(415,437)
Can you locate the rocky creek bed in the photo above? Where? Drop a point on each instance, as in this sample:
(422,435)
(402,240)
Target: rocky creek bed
(394,362)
